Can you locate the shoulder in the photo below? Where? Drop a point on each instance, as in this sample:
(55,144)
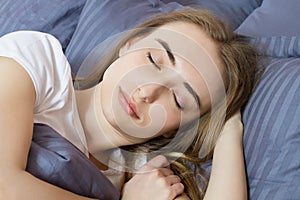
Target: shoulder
(41,55)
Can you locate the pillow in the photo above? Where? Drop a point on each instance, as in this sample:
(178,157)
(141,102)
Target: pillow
(102,19)
(99,20)
(57,17)
(55,160)
(272,133)
(233,12)
(273,18)
(277,46)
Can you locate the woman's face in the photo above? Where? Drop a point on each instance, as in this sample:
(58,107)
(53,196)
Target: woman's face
(162,81)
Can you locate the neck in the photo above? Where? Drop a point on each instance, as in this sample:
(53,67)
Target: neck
(101,136)
(93,121)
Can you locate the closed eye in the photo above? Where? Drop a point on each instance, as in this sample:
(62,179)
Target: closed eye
(176,101)
(149,56)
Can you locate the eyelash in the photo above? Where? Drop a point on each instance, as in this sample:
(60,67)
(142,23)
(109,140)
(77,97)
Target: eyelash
(176,102)
(149,56)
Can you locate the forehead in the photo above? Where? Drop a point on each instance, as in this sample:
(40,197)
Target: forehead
(186,38)
(187,41)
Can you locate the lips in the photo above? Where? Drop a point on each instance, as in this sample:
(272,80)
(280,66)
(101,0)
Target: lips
(125,102)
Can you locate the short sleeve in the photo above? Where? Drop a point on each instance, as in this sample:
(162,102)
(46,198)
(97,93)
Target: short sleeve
(42,57)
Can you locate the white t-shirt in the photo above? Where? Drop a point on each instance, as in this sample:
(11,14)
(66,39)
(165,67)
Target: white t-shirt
(41,56)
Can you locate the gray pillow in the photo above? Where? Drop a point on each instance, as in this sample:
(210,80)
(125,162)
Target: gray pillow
(273,18)
(272,133)
(233,12)
(273,28)
(55,160)
(57,17)
(102,19)
(277,46)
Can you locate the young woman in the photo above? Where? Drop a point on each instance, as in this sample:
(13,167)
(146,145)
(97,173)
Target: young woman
(167,88)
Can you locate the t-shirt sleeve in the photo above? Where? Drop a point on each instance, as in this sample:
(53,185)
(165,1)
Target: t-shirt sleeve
(42,57)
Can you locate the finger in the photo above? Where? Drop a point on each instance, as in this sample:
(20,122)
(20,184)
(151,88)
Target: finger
(173,179)
(159,172)
(159,161)
(166,172)
(177,189)
(155,163)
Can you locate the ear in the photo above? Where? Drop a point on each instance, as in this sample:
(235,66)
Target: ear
(124,49)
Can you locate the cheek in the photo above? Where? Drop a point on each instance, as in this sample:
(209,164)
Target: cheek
(114,71)
(173,118)
(164,118)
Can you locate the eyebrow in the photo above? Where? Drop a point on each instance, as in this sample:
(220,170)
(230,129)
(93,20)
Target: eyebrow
(171,56)
(166,46)
(193,93)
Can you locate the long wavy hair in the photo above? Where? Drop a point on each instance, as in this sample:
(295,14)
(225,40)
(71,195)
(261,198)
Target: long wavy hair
(240,61)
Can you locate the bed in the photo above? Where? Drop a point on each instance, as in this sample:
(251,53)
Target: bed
(271,117)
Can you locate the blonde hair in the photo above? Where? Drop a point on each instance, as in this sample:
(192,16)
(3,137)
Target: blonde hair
(240,61)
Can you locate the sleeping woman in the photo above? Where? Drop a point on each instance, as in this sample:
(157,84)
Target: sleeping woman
(166,92)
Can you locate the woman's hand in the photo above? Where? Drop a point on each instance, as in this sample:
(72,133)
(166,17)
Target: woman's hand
(153,181)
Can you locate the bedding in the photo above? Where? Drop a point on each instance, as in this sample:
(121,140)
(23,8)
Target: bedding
(56,17)
(54,159)
(273,18)
(272,28)
(97,23)
(277,46)
(271,117)
(272,133)
(234,12)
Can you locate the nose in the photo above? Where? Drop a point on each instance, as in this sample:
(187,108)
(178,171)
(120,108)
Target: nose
(150,92)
